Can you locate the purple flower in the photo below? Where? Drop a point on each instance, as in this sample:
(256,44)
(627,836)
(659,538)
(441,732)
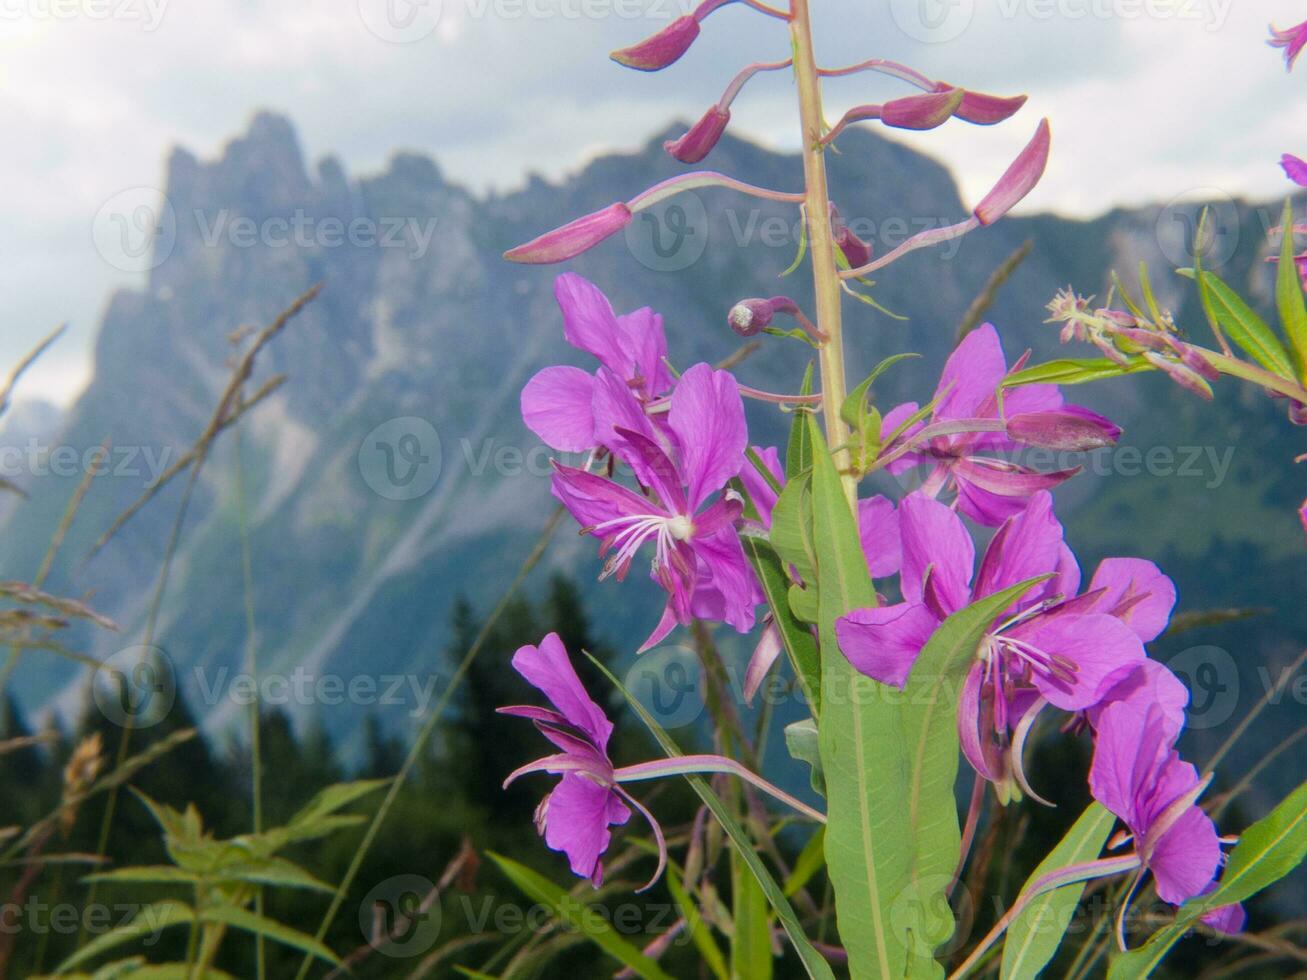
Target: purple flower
(1138,775)
(989,490)
(688,515)
(558,404)
(575,816)
(1293,40)
(1067,660)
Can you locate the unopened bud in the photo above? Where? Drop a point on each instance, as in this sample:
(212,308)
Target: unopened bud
(699,140)
(922,111)
(572,238)
(661,49)
(1019,180)
(856,251)
(980,109)
(1067,429)
(749,317)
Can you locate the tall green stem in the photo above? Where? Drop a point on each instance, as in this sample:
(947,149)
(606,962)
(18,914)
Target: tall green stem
(825,271)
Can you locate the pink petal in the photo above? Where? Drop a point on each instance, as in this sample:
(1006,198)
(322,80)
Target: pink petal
(556,407)
(1098,645)
(577,815)
(589,323)
(1130,747)
(884,642)
(1186,859)
(645,345)
(759,490)
(986,508)
(971,375)
(1136,592)
(1229,919)
(1295,168)
(935,540)
(765,655)
(592,499)
(707,417)
(892,420)
(1143,686)
(549,669)
(726,580)
(878,530)
(1027,545)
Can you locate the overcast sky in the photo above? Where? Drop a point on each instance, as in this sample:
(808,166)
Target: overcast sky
(1148,98)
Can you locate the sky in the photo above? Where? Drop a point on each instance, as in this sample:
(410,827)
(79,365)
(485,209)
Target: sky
(1150,100)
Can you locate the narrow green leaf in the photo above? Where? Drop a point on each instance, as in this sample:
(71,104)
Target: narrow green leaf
(1074,371)
(276,872)
(791,528)
(868,841)
(1288,294)
(165,874)
(572,912)
(148,922)
(798,454)
(696,928)
(797,638)
(1035,935)
(813,962)
(334,798)
(751,951)
(261,925)
(1245,328)
(929,716)
(1267,851)
(811,860)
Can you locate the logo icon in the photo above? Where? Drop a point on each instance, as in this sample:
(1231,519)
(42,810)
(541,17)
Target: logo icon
(400,917)
(135,230)
(1177,228)
(401,459)
(1212,677)
(668,682)
(136,687)
(671,235)
(400,21)
(933,21)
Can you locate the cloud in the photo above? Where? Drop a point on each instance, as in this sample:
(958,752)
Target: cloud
(1147,97)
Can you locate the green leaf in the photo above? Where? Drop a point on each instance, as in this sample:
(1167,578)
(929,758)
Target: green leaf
(696,928)
(803,742)
(805,605)
(573,913)
(811,860)
(813,962)
(164,874)
(855,404)
(277,872)
(1074,371)
(791,528)
(1245,328)
(868,841)
(797,638)
(148,922)
(1035,935)
(798,454)
(930,729)
(1288,294)
(261,925)
(751,950)
(334,798)
(1267,851)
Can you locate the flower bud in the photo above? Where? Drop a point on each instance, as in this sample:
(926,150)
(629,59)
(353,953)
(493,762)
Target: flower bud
(980,109)
(856,251)
(572,238)
(661,49)
(699,140)
(1019,180)
(749,317)
(1066,429)
(922,111)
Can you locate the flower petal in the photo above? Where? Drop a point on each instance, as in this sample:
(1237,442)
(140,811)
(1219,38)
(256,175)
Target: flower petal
(879,532)
(760,492)
(1186,859)
(1135,592)
(884,642)
(1027,545)
(935,540)
(556,406)
(1097,645)
(707,418)
(576,817)
(971,375)
(549,670)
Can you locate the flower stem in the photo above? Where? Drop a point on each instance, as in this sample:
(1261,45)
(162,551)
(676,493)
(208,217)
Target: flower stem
(825,270)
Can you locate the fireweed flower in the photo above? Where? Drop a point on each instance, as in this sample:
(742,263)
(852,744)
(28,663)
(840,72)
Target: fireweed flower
(1138,775)
(1293,40)
(1067,660)
(1295,168)
(558,404)
(576,815)
(689,515)
(989,489)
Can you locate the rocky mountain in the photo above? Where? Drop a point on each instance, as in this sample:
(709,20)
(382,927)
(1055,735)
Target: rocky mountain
(391,473)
